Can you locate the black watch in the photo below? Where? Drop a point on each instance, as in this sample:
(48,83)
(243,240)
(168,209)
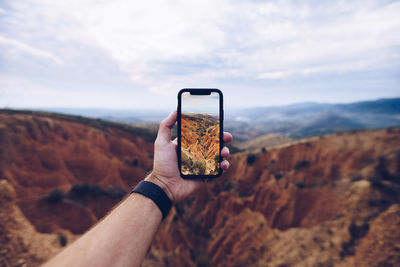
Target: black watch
(155,193)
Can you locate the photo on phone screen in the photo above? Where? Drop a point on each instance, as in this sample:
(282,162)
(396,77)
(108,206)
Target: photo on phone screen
(200,133)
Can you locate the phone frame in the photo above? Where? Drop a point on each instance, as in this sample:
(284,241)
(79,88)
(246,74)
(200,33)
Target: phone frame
(200,91)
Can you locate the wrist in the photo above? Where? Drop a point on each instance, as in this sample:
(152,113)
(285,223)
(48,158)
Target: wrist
(154,192)
(155,179)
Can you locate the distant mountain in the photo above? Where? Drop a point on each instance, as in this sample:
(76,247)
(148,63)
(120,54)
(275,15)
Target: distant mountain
(263,142)
(382,106)
(296,120)
(311,119)
(327,123)
(124,115)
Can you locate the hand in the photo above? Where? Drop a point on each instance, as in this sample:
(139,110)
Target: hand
(165,170)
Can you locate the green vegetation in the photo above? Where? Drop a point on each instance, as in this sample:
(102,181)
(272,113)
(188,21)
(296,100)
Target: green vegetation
(382,172)
(55,196)
(356,232)
(300,185)
(80,192)
(199,167)
(202,259)
(251,159)
(301,164)
(185,158)
(62,239)
(132,163)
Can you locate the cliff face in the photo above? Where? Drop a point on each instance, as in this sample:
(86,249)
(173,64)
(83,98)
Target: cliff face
(39,154)
(20,243)
(317,202)
(327,201)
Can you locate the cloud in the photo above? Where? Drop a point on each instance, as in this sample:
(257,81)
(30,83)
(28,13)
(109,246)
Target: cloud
(19,92)
(166,45)
(10,43)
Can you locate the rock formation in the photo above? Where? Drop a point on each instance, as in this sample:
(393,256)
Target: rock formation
(327,201)
(200,144)
(20,243)
(39,154)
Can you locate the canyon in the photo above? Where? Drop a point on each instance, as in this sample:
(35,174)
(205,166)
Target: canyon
(200,144)
(331,200)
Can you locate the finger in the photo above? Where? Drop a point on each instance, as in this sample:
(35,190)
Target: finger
(228,137)
(164,132)
(225,152)
(225,164)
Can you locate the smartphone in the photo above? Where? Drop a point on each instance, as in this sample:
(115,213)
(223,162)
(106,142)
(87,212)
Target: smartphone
(200,132)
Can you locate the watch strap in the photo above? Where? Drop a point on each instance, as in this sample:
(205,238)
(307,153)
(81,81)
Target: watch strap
(155,193)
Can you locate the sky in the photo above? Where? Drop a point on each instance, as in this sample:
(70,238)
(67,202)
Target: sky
(208,104)
(125,54)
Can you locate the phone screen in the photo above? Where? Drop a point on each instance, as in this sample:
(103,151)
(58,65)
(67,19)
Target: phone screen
(200,132)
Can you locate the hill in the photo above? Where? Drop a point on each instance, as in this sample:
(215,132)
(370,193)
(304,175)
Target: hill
(326,201)
(317,202)
(20,243)
(312,119)
(91,163)
(263,142)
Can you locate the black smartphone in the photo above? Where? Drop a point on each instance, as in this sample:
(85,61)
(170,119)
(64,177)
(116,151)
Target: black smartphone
(200,132)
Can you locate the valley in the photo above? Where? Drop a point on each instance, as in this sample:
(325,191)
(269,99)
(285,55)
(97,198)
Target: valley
(200,144)
(330,200)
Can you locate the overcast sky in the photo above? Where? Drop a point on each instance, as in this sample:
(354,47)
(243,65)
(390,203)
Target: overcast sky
(208,104)
(127,54)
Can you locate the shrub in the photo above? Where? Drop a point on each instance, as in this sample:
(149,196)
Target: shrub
(200,166)
(300,185)
(228,186)
(79,192)
(251,159)
(62,239)
(358,231)
(301,164)
(133,163)
(245,192)
(278,176)
(202,259)
(381,170)
(55,196)
(115,192)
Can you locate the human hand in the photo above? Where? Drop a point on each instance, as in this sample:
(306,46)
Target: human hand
(165,170)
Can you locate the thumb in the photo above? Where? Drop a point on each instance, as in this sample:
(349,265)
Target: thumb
(164,132)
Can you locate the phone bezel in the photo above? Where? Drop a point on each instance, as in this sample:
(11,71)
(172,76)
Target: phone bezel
(200,91)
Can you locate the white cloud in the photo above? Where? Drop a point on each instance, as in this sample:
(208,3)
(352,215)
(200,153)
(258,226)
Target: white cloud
(227,39)
(10,43)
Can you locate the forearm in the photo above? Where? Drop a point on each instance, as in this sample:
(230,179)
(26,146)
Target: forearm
(121,239)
